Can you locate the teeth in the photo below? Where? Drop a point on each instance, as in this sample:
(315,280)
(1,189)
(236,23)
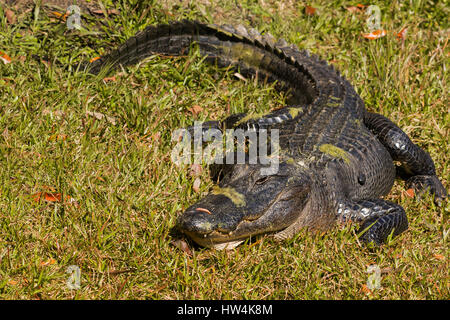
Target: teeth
(227,245)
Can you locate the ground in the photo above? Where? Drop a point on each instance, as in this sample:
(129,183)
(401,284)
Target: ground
(88,188)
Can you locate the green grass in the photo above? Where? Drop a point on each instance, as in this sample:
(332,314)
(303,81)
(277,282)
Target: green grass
(128,193)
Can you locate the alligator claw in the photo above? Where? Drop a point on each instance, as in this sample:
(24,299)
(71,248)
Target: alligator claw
(421,184)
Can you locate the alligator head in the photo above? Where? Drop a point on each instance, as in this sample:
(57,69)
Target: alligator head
(247,203)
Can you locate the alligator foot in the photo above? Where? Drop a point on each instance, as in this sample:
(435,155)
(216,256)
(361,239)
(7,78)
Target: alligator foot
(378,218)
(422,184)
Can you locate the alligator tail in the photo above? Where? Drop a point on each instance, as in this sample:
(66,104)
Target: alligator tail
(252,53)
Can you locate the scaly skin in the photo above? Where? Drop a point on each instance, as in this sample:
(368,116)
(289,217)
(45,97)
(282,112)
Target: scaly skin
(336,159)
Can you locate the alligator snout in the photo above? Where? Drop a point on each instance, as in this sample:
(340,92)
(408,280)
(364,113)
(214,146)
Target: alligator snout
(197,220)
(213,213)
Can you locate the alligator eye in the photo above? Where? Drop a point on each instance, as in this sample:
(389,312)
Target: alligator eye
(262,180)
(362,179)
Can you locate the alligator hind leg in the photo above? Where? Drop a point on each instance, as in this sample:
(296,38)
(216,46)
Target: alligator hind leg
(415,162)
(379,217)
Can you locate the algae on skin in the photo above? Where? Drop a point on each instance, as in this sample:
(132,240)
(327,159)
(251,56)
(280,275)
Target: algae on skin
(237,198)
(294,112)
(335,152)
(252,116)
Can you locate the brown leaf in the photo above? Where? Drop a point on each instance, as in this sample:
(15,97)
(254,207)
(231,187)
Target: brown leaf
(59,15)
(48,262)
(402,34)
(13,282)
(353,9)
(58,137)
(410,192)
(21,59)
(375,34)
(183,246)
(52,197)
(196,169)
(196,185)
(5,58)
(93,59)
(110,79)
(196,109)
(386,270)
(100,116)
(310,11)
(10,16)
(98,11)
(439,256)
(365,289)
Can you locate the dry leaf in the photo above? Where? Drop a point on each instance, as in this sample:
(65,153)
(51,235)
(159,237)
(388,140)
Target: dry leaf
(48,262)
(58,137)
(365,289)
(59,15)
(402,34)
(110,79)
(100,116)
(439,256)
(353,9)
(310,11)
(410,193)
(183,246)
(21,59)
(240,76)
(12,282)
(100,12)
(196,185)
(196,169)
(93,59)
(10,16)
(56,113)
(375,34)
(52,197)
(5,58)
(196,109)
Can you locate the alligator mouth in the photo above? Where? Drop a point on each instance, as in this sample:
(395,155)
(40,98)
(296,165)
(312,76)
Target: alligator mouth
(218,239)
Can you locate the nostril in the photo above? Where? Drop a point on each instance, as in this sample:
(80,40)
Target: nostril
(197,220)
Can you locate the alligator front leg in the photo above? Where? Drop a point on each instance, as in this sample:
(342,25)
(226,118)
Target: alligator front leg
(379,217)
(417,163)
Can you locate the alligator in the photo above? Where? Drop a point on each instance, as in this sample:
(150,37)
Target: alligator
(336,159)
